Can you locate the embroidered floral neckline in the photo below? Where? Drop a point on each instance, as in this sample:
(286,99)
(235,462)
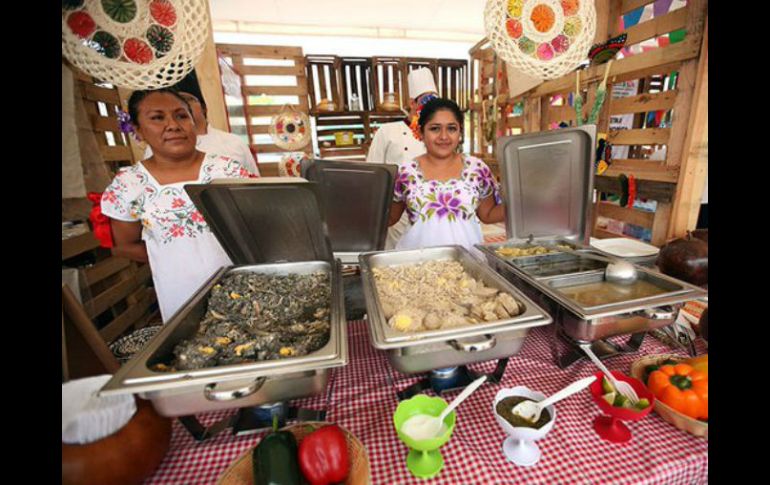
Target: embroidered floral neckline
(201,172)
(453,180)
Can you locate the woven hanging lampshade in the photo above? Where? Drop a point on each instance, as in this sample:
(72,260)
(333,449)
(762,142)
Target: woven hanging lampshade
(290,129)
(135,44)
(542,38)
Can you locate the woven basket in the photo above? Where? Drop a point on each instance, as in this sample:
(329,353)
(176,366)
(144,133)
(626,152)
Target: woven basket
(240,471)
(135,45)
(679,420)
(125,347)
(545,51)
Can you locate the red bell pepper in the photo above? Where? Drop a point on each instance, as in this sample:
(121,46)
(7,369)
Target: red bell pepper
(323,456)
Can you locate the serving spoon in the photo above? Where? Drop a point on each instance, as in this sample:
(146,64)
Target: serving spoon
(424,425)
(617,270)
(531,410)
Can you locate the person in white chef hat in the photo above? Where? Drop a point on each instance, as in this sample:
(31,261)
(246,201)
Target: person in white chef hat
(395,142)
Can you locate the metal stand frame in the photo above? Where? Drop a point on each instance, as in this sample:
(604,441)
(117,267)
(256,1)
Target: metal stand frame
(465,376)
(604,349)
(250,420)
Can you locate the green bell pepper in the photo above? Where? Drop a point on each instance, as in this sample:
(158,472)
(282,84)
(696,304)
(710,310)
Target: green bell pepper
(274,460)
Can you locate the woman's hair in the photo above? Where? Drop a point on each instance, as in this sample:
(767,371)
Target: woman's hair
(138,96)
(431,107)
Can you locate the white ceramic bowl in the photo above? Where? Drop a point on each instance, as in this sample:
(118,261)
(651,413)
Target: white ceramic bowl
(520,447)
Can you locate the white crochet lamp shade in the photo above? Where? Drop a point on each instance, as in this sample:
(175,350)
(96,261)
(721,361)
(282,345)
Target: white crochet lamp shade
(135,44)
(542,38)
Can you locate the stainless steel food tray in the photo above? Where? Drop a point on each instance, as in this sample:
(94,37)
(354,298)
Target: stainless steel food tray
(202,390)
(384,337)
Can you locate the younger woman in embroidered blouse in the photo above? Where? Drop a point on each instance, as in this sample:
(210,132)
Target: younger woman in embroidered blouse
(447,195)
(153,218)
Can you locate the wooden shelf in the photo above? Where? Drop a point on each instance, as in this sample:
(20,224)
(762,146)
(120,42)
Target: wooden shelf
(355,113)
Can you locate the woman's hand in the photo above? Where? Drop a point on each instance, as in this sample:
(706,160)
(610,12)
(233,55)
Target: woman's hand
(489,213)
(396,209)
(127,238)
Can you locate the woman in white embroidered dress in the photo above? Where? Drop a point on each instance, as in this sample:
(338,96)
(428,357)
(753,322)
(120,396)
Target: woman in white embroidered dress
(153,218)
(446,195)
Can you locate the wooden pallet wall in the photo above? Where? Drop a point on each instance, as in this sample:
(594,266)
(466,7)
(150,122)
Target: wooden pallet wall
(102,102)
(489,98)
(674,183)
(118,296)
(262,98)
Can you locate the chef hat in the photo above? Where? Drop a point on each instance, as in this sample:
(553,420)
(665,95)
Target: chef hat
(421,82)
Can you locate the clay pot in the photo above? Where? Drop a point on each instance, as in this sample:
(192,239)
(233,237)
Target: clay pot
(704,325)
(686,259)
(126,457)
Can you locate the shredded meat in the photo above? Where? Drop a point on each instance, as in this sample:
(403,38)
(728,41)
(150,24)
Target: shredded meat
(438,294)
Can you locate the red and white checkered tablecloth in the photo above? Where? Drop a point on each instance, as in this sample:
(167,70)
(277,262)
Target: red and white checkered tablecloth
(363,399)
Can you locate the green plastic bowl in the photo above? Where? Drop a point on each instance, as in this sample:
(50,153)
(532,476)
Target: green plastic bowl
(424,459)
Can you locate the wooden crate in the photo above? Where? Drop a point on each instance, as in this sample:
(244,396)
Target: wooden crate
(675,183)
(323,81)
(262,99)
(452,81)
(389,76)
(413,63)
(328,125)
(356,79)
(375,120)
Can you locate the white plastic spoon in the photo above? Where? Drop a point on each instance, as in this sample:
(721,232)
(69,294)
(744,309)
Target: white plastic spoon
(423,426)
(531,410)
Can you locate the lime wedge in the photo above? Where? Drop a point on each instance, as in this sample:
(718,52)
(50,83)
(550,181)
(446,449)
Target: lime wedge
(621,401)
(643,403)
(607,386)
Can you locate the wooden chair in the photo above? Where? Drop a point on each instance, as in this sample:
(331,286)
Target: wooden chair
(117,300)
(84,351)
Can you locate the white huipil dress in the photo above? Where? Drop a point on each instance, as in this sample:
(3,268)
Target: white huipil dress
(182,250)
(394,143)
(444,213)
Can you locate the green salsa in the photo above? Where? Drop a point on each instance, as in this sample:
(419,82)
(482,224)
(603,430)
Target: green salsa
(505,409)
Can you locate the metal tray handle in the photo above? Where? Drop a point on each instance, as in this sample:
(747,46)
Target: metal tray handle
(660,313)
(233,394)
(474,345)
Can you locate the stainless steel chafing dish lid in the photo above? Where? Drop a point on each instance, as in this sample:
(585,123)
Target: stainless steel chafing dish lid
(356,201)
(257,221)
(548,183)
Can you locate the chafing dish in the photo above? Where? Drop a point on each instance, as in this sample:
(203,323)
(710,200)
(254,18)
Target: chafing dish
(548,186)
(413,352)
(547,279)
(265,228)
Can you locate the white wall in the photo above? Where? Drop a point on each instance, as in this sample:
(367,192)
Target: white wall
(354,46)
